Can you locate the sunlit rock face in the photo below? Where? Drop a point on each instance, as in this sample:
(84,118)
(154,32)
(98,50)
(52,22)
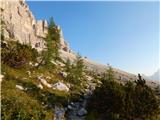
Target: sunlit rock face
(21,25)
(64,45)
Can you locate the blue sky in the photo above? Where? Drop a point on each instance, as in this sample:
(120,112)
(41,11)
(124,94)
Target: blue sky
(123,34)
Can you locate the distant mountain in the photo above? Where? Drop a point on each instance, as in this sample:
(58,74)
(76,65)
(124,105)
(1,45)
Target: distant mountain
(156,75)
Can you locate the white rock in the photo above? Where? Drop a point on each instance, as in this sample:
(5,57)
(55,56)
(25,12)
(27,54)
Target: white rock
(44,82)
(30,63)
(17,14)
(20,87)
(60,86)
(40,86)
(36,64)
(1,77)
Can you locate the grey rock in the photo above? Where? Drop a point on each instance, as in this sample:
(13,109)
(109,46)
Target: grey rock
(82,112)
(59,113)
(60,86)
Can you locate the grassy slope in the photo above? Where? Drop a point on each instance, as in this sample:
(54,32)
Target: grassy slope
(33,102)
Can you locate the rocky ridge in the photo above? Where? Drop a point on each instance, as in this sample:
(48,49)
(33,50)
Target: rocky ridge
(20,24)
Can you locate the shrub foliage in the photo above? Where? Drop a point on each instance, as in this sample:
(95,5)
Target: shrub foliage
(17,55)
(123,102)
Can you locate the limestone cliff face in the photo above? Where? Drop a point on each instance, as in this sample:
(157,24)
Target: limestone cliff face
(21,25)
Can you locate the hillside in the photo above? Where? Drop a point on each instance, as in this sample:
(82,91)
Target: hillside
(43,79)
(155,76)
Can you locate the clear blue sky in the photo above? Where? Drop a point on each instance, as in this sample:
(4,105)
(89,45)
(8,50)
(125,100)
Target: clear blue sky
(123,34)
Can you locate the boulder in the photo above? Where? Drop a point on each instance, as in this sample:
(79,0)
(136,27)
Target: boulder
(60,86)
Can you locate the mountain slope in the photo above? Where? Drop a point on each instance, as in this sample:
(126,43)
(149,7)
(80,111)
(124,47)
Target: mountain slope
(155,76)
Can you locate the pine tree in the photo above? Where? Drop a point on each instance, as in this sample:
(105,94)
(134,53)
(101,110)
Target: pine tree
(110,73)
(75,71)
(68,66)
(79,68)
(52,44)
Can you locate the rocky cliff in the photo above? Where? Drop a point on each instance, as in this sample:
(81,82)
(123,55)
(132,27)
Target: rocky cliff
(20,24)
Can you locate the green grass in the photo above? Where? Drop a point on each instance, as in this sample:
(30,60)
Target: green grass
(18,104)
(33,103)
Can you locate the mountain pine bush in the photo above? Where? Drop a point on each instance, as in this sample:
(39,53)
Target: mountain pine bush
(132,101)
(17,55)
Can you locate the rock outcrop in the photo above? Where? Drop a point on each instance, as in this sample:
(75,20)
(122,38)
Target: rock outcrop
(21,25)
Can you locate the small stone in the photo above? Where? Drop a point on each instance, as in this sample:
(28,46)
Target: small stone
(44,82)
(20,87)
(40,86)
(36,64)
(82,112)
(1,77)
(69,107)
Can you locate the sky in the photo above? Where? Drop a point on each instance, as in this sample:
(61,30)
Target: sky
(123,34)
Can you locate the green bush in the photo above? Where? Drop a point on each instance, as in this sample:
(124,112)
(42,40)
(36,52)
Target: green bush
(124,102)
(75,71)
(17,55)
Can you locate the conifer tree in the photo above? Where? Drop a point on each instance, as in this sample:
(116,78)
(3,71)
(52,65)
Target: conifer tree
(52,43)
(75,71)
